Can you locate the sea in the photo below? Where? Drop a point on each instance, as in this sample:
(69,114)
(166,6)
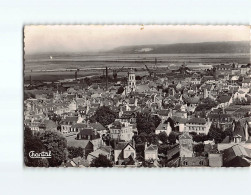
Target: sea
(57,61)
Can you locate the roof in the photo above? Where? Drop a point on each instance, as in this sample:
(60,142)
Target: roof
(234,151)
(79,125)
(223,98)
(97,152)
(98,126)
(179,119)
(185,135)
(246,80)
(87,131)
(151,148)
(193,100)
(71,119)
(163,112)
(197,121)
(120,146)
(71,141)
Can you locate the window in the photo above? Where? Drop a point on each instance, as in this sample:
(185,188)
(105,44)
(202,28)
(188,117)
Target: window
(201,162)
(184,162)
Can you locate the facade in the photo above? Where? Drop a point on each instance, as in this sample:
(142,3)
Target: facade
(198,125)
(124,151)
(186,145)
(151,152)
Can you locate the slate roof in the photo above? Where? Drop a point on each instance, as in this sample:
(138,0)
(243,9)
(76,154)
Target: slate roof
(79,125)
(197,121)
(179,119)
(235,151)
(223,98)
(97,126)
(71,119)
(71,141)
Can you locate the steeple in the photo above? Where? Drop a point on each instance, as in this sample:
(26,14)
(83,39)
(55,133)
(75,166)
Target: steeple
(131,81)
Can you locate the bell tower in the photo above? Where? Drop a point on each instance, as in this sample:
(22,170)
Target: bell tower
(131,81)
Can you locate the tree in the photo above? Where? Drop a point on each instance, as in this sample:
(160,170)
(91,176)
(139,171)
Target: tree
(105,115)
(55,143)
(120,90)
(156,120)
(152,138)
(206,104)
(228,132)
(146,122)
(101,161)
(33,143)
(163,137)
(198,148)
(216,134)
(172,138)
(200,137)
(74,152)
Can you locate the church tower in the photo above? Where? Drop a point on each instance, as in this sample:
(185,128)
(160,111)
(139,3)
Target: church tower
(131,81)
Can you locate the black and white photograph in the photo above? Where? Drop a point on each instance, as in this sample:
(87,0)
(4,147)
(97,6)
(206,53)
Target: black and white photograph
(137,96)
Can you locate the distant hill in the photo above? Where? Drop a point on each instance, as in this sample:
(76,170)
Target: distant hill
(204,47)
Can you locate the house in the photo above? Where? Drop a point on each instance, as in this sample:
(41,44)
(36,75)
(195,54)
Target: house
(215,159)
(241,130)
(198,125)
(166,126)
(76,162)
(124,152)
(224,100)
(198,161)
(99,127)
(122,131)
(237,156)
(92,135)
(49,125)
(179,123)
(245,69)
(115,129)
(246,83)
(85,144)
(186,145)
(195,80)
(78,127)
(151,152)
(67,124)
(96,153)
(223,120)
(192,103)
(163,114)
(241,135)
(208,79)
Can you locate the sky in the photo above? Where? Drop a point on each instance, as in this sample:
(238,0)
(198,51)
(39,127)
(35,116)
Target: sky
(93,38)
